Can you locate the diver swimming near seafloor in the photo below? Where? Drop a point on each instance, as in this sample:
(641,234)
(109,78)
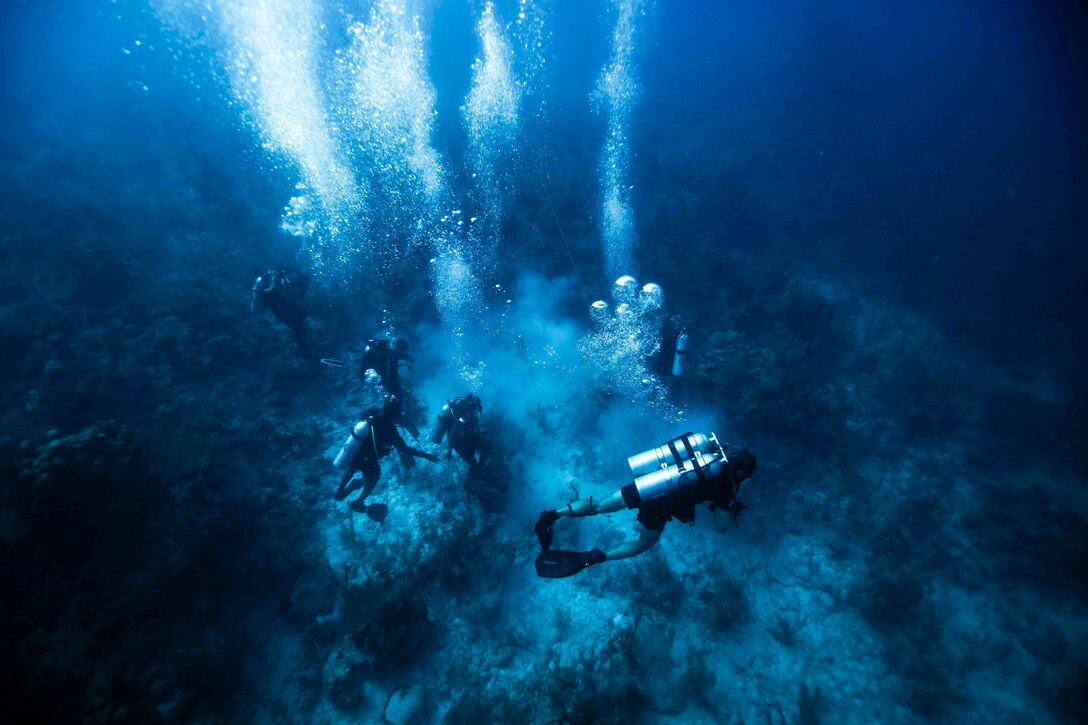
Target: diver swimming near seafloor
(458,422)
(670,481)
(372,438)
(385,357)
(280,290)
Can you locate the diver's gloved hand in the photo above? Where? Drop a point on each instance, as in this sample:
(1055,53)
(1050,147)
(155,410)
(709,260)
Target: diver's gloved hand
(432,457)
(408,460)
(596,556)
(543,528)
(735,507)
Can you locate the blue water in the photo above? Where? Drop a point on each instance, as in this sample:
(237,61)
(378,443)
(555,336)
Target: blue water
(867,218)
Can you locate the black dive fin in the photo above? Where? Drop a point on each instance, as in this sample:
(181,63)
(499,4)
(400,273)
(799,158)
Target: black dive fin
(377,512)
(556,563)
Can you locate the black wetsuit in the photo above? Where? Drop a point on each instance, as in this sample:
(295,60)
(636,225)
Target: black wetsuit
(385,359)
(720,491)
(281,291)
(381,357)
(464,434)
(381,438)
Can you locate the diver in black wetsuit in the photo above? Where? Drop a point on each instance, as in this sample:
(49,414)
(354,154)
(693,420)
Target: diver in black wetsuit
(459,423)
(385,358)
(372,439)
(281,291)
(670,481)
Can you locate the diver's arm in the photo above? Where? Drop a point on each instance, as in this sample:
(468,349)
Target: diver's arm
(398,440)
(726,510)
(406,450)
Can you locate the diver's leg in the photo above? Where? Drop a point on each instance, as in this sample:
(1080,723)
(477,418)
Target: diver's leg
(644,540)
(592,506)
(582,507)
(294,317)
(467,455)
(483,445)
(371,473)
(347,485)
(301,339)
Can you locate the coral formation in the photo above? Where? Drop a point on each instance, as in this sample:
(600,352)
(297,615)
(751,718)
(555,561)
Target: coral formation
(915,547)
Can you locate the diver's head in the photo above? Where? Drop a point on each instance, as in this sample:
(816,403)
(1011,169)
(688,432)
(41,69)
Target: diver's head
(473,402)
(391,407)
(401,346)
(743,464)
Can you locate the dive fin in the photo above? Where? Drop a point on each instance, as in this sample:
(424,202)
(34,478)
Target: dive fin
(377,512)
(557,563)
(543,528)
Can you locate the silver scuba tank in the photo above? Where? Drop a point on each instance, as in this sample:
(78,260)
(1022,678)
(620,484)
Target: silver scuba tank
(351,446)
(443,424)
(680,476)
(680,358)
(672,453)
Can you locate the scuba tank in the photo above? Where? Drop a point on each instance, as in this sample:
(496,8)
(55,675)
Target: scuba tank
(678,464)
(465,411)
(351,445)
(255,294)
(680,358)
(674,478)
(444,423)
(674,452)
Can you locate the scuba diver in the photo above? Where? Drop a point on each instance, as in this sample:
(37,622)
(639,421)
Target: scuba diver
(372,439)
(669,482)
(459,423)
(385,359)
(281,291)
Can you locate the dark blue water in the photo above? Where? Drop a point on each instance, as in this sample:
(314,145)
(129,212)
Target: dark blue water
(868,219)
